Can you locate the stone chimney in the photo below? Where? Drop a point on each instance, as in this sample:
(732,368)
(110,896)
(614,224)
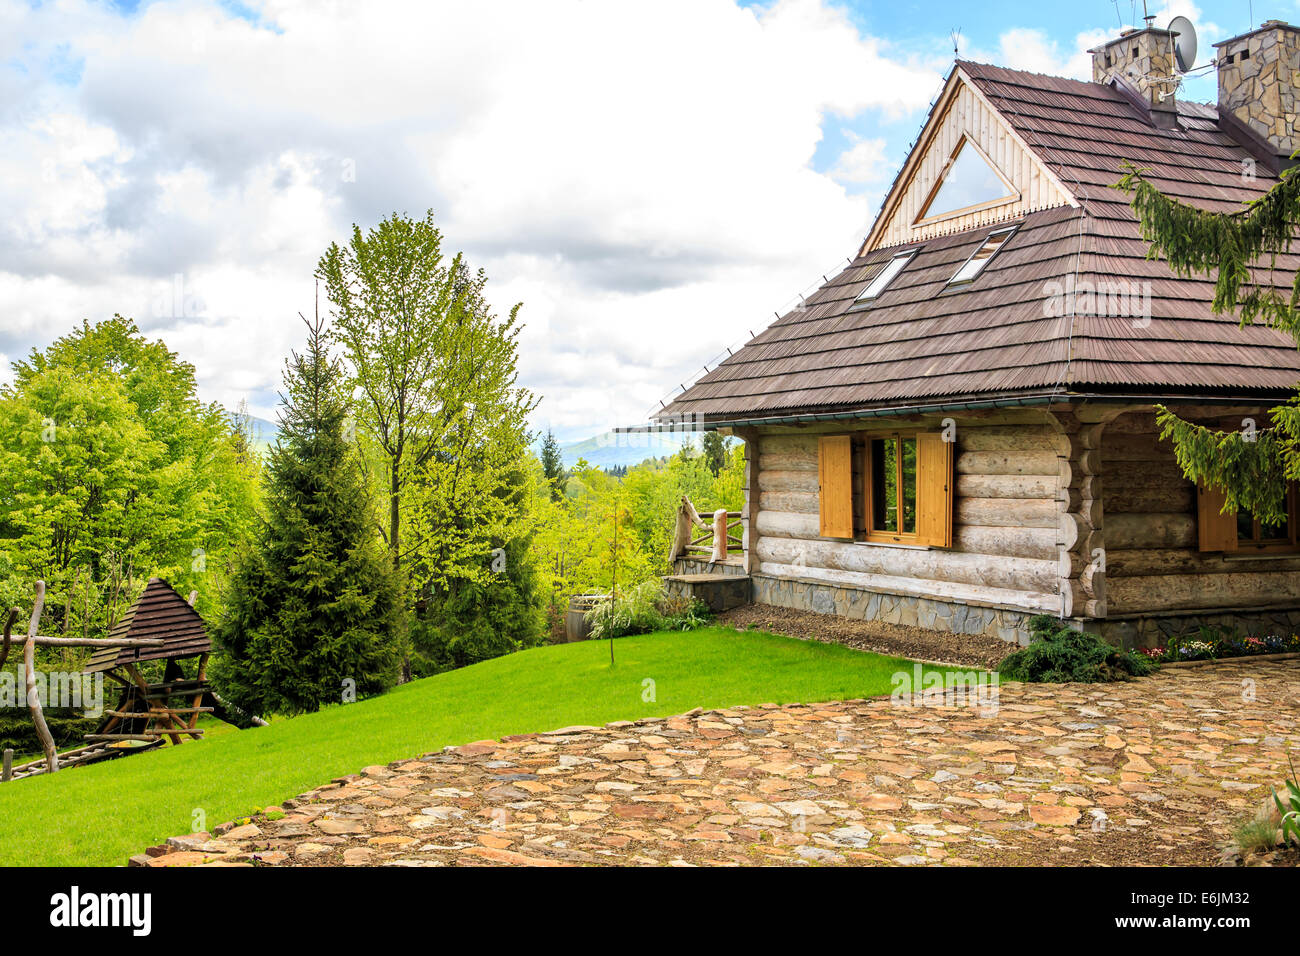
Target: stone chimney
(1259,84)
(1142,63)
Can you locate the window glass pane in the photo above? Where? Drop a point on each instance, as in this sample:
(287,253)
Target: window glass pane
(1245,525)
(884,484)
(969,181)
(1273,533)
(909,485)
(892,268)
(976,263)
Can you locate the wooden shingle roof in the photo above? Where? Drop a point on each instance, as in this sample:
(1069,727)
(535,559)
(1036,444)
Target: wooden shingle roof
(160,612)
(922,341)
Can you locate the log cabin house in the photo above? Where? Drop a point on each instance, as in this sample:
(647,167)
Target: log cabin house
(958,431)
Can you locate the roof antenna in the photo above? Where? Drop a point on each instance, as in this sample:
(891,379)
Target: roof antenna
(956,39)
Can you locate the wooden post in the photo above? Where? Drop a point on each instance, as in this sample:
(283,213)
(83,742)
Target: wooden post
(749,513)
(7,769)
(202,676)
(162,717)
(719,536)
(9,623)
(29,665)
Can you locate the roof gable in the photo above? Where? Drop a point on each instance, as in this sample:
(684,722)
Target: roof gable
(1069,304)
(160,612)
(963,125)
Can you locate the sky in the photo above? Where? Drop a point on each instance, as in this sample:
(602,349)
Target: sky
(653,179)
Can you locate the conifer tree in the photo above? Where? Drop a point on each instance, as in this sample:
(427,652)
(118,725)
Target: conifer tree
(553,465)
(472,618)
(1252,466)
(315,604)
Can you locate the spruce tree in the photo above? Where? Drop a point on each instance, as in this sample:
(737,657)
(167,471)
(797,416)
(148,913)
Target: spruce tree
(553,465)
(315,605)
(1251,466)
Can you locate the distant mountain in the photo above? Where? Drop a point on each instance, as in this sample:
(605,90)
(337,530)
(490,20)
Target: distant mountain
(264,432)
(610,450)
(607,450)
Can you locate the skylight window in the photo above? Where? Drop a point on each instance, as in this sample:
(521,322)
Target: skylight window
(885,276)
(973,266)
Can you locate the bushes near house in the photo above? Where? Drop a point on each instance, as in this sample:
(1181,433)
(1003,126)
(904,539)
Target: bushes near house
(643,609)
(1060,655)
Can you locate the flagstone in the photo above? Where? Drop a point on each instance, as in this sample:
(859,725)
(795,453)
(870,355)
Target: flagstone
(1050,777)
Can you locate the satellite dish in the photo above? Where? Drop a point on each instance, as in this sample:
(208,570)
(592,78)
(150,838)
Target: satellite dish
(1184,43)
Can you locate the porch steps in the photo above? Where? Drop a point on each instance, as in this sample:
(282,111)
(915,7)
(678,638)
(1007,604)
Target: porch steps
(717,590)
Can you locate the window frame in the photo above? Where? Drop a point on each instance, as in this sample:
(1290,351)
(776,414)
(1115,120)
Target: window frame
(1009,231)
(1290,544)
(869,533)
(1217,532)
(861,302)
(926,218)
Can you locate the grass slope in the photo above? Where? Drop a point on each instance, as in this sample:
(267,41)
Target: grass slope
(101,814)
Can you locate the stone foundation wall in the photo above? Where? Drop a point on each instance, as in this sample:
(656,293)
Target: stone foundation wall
(1154,631)
(821,598)
(1003,623)
(704,566)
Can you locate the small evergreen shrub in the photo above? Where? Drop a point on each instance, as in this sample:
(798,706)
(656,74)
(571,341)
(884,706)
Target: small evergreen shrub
(643,609)
(1060,655)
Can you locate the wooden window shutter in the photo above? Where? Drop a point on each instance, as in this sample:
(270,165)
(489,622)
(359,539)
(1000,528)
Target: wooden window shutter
(835,485)
(933,490)
(1214,531)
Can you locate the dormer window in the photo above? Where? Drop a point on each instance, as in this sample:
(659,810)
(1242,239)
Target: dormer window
(885,276)
(973,266)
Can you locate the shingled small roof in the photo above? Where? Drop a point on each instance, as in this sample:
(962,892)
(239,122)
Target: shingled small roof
(923,342)
(160,612)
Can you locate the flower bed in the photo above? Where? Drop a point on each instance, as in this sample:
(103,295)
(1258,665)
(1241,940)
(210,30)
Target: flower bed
(1212,645)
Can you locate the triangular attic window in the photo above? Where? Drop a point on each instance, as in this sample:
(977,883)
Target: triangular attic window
(971,182)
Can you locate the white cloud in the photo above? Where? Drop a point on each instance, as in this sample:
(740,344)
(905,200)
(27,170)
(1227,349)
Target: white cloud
(863,162)
(1027,48)
(638,174)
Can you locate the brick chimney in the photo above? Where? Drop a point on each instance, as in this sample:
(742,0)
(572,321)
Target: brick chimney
(1140,62)
(1259,84)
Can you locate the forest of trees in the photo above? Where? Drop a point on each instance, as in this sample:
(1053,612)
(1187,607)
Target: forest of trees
(400,525)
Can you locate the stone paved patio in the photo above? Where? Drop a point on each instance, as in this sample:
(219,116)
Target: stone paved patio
(1154,771)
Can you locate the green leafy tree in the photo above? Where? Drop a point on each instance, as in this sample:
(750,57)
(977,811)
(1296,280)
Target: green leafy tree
(440,415)
(112,470)
(480,616)
(716,449)
(315,606)
(1251,466)
(425,352)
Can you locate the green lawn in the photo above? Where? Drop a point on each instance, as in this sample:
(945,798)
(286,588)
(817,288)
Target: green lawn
(101,814)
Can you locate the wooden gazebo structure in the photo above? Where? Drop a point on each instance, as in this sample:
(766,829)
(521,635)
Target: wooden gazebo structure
(166,709)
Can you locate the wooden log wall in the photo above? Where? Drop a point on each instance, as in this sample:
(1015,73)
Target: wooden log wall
(1007,522)
(1152,561)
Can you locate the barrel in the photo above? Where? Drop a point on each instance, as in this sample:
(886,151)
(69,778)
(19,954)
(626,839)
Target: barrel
(576,626)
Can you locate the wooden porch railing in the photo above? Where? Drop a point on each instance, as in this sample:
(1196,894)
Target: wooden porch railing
(691,533)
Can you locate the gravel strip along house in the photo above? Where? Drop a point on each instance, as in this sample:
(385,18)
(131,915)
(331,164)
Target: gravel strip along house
(958,430)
